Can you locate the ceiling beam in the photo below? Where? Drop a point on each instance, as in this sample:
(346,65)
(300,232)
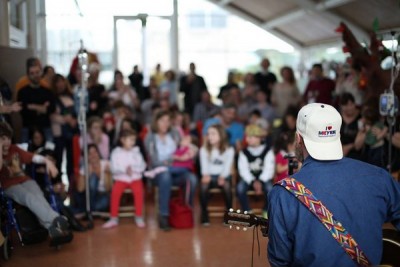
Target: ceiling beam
(306,7)
(331,16)
(329,4)
(222,3)
(283,19)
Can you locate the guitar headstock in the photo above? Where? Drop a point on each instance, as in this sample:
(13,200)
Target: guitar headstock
(244,220)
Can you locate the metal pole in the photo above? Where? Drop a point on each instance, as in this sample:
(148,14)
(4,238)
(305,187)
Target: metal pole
(83,100)
(146,75)
(175,38)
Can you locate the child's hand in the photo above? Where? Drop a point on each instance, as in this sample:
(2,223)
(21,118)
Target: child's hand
(221,181)
(206,179)
(257,187)
(129,170)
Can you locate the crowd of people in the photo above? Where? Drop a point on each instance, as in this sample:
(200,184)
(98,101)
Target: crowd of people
(138,132)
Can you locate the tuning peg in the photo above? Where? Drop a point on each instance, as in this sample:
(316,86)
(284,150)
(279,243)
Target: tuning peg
(230,227)
(237,228)
(245,229)
(230,210)
(238,211)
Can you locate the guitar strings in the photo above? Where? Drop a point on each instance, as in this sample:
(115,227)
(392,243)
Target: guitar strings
(255,229)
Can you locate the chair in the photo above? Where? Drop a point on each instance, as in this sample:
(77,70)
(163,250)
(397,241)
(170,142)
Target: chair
(126,208)
(251,194)
(218,210)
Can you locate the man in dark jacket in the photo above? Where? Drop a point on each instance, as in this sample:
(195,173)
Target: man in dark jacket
(192,85)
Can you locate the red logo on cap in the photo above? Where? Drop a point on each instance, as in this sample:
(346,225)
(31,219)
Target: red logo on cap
(329,132)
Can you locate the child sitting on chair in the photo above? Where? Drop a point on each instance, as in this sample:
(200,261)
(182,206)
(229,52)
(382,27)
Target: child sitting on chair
(216,161)
(127,166)
(256,167)
(183,159)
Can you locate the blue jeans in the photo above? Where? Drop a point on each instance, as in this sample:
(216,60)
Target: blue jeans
(166,180)
(177,170)
(242,189)
(99,201)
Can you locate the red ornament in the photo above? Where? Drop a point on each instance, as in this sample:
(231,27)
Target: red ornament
(362,83)
(345,49)
(340,29)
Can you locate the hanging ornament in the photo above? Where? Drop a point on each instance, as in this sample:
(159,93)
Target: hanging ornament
(340,29)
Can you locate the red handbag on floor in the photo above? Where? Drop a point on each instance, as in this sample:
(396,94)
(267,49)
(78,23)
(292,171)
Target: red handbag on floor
(180,212)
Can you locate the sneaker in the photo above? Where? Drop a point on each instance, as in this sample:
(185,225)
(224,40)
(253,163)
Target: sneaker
(140,222)
(153,173)
(164,223)
(59,227)
(59,232)
(205,220)
(111,223)
(62,222)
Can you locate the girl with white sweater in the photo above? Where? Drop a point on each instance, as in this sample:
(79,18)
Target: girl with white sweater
(127,166)
(216,159)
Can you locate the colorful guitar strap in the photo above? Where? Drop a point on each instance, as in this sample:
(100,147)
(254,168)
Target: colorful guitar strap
(315,206)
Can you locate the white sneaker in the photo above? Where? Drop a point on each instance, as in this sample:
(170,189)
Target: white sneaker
(111,223)
(140,222)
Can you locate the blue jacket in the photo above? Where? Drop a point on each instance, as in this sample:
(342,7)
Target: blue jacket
(361,196)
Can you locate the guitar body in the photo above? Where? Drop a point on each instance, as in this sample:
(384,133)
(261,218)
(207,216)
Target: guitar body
(391,248)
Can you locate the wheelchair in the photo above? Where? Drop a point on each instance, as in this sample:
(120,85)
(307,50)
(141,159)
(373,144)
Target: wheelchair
(9,221)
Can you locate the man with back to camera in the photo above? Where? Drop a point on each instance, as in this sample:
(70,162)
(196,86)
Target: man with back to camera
(360,196)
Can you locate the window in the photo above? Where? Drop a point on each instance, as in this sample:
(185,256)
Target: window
(17,14)
(218,20)
(197,20)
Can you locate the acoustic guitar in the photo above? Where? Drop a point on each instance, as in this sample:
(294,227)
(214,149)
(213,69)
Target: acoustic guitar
(391,238)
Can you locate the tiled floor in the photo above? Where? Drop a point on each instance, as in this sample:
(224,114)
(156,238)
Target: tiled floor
(128,245)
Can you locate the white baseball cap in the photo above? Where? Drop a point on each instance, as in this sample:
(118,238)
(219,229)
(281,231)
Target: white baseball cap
(319,125)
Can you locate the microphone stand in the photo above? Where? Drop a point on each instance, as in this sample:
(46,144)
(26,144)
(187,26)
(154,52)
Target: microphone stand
(391,116)
(83,102)
(292,164)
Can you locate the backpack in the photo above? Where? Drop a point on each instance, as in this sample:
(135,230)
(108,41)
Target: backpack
(180,212)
